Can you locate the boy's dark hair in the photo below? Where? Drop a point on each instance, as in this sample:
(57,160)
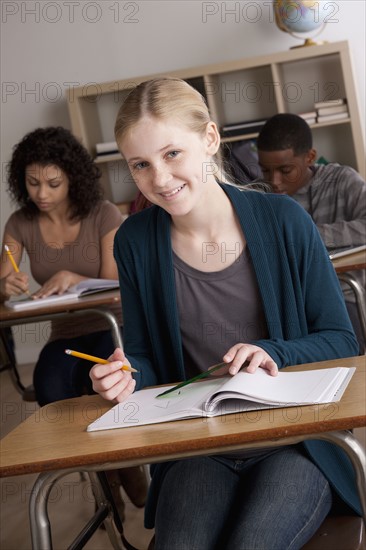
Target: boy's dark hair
(58,146)
(285,131)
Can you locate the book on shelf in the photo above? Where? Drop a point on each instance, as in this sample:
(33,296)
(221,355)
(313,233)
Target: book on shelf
(227,395)
(242,128)
(330,103)
(106,148)
(310,121)
(85,288)
(333,110)
(308,115)
(335,116)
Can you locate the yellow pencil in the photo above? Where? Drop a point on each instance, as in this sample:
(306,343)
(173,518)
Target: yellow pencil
(12,261)
(96,359)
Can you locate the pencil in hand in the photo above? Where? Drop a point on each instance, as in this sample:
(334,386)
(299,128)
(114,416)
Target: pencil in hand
(13,263)
(96,359)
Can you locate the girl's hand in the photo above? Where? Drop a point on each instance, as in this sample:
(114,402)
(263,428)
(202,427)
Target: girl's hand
(110,381)
(58,284)
(254,355)
(14,284)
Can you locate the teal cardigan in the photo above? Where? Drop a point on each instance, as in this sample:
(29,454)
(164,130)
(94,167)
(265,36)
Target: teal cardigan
(304,307)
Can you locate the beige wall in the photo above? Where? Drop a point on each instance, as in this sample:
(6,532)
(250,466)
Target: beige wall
(49,46)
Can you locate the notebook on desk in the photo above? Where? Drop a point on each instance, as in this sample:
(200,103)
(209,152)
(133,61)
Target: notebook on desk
(83,289)
(228,395)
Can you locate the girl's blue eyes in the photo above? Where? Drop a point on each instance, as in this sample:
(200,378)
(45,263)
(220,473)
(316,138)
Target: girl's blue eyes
(141,165)
(173,154)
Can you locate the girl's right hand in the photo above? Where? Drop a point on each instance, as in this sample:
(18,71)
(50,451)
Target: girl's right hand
(14,284)
(110,381)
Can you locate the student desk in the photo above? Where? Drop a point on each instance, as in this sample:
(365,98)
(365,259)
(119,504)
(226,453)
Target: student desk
(61,446)
(343,266)
(96,303)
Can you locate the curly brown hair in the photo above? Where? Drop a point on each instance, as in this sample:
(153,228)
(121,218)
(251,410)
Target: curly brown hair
(55,145)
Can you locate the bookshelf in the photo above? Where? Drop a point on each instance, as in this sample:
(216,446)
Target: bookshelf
(243,90)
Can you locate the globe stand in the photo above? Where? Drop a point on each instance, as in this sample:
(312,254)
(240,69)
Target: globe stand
(308,41)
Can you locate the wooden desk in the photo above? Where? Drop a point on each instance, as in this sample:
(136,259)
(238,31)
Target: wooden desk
(96,303)
(350,262)
(54,440)
(343,267)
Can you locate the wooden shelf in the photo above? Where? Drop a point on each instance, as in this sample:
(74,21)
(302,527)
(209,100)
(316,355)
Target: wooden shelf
(246,89)
(108,158)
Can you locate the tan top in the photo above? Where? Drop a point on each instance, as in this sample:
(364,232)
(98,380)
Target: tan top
(81,256)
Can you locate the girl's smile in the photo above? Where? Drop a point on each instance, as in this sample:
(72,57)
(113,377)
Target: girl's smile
(169,162)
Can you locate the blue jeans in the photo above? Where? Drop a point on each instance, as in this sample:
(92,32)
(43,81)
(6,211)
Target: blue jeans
(59,376)
(275,502)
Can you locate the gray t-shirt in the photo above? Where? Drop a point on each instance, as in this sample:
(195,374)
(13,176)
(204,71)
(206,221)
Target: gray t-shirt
(335,198)
(217,310)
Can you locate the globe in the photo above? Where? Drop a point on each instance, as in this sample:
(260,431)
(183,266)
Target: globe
(300,16)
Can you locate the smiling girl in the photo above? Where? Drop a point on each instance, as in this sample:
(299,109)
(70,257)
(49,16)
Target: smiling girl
(212,273)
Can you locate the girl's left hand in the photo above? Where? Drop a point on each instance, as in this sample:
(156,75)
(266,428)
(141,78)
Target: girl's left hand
(58,284)
(255,357)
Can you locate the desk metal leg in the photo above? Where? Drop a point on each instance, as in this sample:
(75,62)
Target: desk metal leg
(115,329)
(107,315)
(39,520)
(355,452)
(359,293)
(40,523)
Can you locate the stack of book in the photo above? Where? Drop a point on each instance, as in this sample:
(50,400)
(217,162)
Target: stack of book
(243,128)
(108,148)
(334,109)
(310,117)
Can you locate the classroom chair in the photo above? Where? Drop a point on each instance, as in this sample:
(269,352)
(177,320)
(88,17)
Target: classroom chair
(339,533)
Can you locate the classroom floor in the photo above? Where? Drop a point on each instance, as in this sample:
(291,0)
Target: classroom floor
(71,503)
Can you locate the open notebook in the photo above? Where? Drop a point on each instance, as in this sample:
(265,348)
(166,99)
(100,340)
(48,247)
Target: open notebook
(227,395)
(84,288)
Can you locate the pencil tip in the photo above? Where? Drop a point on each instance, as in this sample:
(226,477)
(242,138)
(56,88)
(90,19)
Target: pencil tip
(6,247)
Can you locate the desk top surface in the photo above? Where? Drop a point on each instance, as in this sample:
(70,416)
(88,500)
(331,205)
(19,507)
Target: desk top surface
(89,302)
(350,262)
(55,437)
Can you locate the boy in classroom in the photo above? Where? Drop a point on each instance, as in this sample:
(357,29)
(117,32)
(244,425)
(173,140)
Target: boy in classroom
(333,195)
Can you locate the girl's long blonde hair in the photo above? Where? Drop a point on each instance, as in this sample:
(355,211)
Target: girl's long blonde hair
(163,98)
(168,98)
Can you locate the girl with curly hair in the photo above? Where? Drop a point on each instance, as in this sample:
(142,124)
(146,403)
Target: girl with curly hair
(67,230)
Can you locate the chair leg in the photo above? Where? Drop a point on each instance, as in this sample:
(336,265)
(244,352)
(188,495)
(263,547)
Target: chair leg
(103,481)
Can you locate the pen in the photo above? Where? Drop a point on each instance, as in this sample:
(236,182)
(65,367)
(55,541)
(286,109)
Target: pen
(12,261)
(198,377)
(96,359)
